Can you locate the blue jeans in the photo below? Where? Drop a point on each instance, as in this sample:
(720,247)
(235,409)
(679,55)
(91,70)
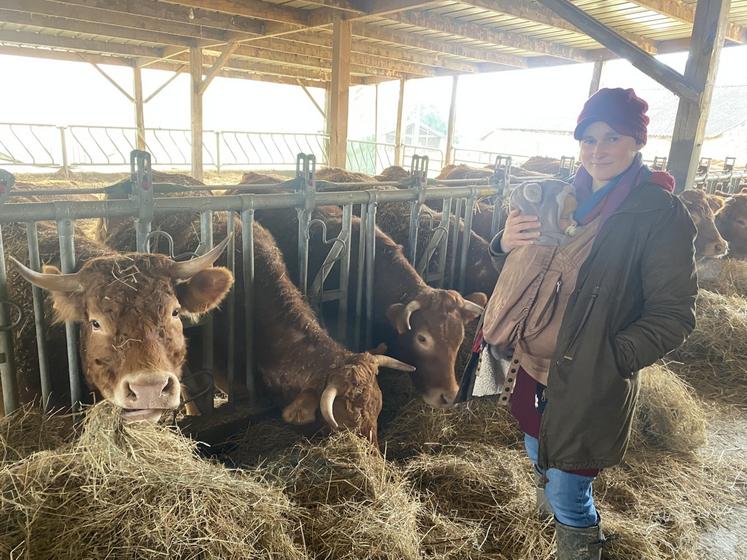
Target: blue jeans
(568,494)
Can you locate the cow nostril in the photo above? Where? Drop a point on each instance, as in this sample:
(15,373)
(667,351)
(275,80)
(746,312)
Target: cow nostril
(445,399)
(168,387)
(131,395)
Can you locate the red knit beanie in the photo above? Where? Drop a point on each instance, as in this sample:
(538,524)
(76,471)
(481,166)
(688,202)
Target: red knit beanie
(620,108)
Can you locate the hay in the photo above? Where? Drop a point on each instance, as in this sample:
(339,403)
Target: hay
(28,430)
(714,357)
(724,276)
(139,491)
(668,416)
(421,428)
(261,442)
(358,506)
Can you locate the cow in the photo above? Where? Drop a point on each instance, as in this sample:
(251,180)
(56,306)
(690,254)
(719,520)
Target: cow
(419,325)
(129,308)
(393,173)
(709,243)
(731,221)
(303,368)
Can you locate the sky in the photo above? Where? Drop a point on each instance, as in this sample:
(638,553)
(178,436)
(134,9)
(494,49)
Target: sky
(64,93)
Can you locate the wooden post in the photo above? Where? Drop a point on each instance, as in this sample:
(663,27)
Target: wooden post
(139,116)
(709,28)
(452,122)
(398,147)
(339,89)
(596,77)
(195,69)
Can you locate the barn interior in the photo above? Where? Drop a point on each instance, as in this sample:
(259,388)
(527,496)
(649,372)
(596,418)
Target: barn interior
(449,483)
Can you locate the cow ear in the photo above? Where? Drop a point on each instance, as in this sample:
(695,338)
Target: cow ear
(68,306)
(205,290)
(470,312)
(302,410)
(715,202)
(396,315)
(533,192)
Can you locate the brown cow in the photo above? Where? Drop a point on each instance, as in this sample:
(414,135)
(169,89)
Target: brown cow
(302,366)
(708,242)
(420,325)
(731,221)
(393,173)
(129,308)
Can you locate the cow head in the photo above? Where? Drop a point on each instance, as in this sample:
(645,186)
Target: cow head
(430,330)
(708,240)
(731,221)
(128,306)
(350,397)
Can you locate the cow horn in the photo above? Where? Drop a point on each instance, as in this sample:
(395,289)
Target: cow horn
(473,307)
(325,405)
(410,308)
(393,363)
(186,269)
(51,282)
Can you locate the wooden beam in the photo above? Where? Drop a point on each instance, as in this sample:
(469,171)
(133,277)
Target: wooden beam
(249,8)
(169,14)
(666,76)
(313,101)
(339,93)
(217,65)
(109,79)
(531,11)
(452,122)
(137,87)
(438,45)
(195,98)
(132,20)
(385,7)
(56,41)
(489,35)
(685,13)
(711,17)
(398,147)
(99,29)
(596,77)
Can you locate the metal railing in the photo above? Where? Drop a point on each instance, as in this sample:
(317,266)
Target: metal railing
(303,193)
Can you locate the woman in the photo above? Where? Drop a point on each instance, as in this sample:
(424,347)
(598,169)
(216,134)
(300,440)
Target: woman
(630,301)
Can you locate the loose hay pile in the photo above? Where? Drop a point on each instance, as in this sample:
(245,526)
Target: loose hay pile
(724,276)
(358,506)
(714,357)
(28,430)
(139,492)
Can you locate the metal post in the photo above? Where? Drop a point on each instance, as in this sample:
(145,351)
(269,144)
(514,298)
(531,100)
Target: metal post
(231,309)
(217,151)
(468,212)
(207,329)
(39,325)
(63,147)
(141,177)
(66,234)
(347,235)
(7,369)
(247,253)
(359,279)
(443,245)
(370,267)
(455,243)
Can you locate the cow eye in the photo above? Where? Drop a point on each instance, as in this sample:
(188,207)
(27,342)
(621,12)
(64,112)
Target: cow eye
(175,312)
(422,339)
(95,325)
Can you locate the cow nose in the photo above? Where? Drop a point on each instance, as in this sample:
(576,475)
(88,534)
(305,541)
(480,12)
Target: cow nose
(152,392)
(719,248)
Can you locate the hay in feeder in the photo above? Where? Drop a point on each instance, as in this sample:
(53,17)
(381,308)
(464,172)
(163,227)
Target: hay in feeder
(714,357)
(29,430)
(423,428)
(668,417)
(725,276)
(263,441)
(139,491)
(357,505)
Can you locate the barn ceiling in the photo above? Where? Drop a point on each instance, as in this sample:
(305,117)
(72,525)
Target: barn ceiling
(291,41)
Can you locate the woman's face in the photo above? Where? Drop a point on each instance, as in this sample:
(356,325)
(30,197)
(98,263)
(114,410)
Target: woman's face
(606,153)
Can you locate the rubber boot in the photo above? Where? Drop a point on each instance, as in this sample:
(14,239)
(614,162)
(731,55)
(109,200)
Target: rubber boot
(542,506)
(578,544)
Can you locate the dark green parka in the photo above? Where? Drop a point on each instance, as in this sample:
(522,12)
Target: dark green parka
(634,302)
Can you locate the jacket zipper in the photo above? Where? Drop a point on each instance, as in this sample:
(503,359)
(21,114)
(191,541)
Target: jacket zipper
(587,312)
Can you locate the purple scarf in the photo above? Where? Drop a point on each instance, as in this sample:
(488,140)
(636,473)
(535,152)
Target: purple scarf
(626,181)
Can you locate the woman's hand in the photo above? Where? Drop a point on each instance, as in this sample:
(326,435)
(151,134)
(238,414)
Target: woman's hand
(520,229)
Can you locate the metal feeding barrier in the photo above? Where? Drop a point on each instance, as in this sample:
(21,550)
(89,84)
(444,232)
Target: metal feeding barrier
(143,204)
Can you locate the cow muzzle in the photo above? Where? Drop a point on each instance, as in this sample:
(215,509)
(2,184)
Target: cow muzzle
(145,395)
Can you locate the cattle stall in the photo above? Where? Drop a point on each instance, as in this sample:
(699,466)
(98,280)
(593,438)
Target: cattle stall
(303,193)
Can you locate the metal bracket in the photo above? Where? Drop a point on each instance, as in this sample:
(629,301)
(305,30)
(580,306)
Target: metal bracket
(141,178)
(567,167)
(19,318)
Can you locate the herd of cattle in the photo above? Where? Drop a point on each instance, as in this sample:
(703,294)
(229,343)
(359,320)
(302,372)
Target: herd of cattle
(129,306)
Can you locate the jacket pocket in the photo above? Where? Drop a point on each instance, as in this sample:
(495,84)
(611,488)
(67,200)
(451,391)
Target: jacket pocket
(624,356)
(543,308)
(572,345)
